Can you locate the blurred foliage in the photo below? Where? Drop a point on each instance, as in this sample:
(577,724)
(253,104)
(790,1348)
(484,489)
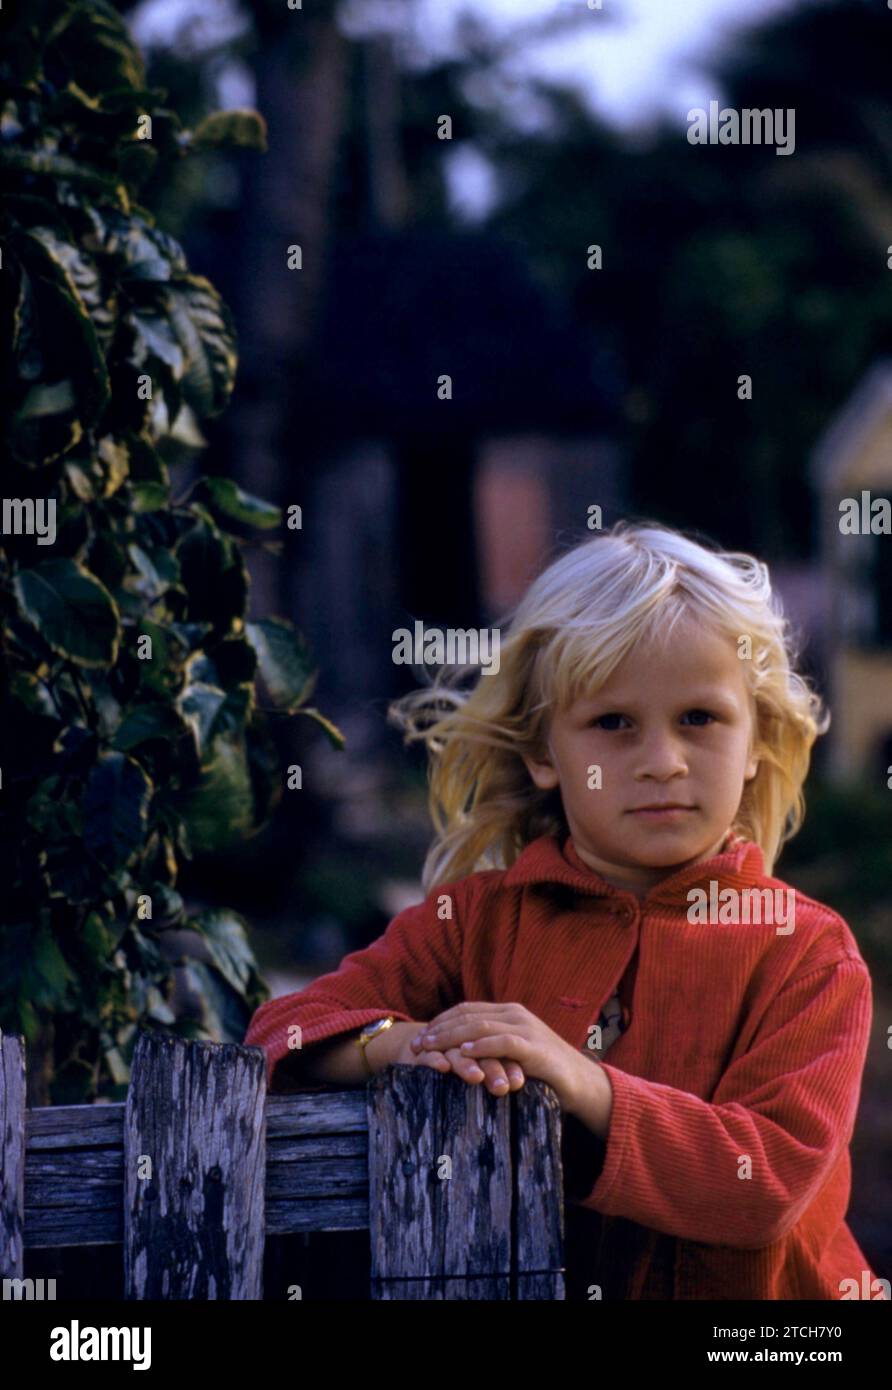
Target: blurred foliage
(132,735)
(717,261)
(722,261)
(842,857)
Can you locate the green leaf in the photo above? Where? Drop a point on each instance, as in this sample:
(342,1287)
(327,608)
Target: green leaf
(83,280)
(29,1020)
(265,766)
(153,573)
(235,663)
(213,575)
(226,936)
(119,1070)
(205,330)
(149,497)
(149,252)
(155,338)
(183,430)
(224,1015)
(146,464)
(147,721)
(220,808)
(243,506)
(27,342)
(85,478)
(240,127)
(283,658)
(157,1006)
(116,808)
(47,974)
(116,459)
(74,386)
(99,48)
(138,161)
(33,694)
(335,737)
(49,398)
(47,164)
(72,611)
(199,705)
(160,673)
(151,958)
(98,937)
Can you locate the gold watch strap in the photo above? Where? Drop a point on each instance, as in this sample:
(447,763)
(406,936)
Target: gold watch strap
(365,1037)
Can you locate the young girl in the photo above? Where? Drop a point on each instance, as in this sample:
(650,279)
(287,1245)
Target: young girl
(609,805)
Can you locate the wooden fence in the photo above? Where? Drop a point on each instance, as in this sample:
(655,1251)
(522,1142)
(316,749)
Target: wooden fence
(461,1191)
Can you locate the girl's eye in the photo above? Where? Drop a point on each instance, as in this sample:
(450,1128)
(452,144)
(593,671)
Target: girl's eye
(599,721)
(704,712)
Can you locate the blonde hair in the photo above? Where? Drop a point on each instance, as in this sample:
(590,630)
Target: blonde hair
(573,626)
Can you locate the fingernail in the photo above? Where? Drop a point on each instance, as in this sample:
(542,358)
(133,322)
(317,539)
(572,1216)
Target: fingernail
(466,1046)
(430,1037)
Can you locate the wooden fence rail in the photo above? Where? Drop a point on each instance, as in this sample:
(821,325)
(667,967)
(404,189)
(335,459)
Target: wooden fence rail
(461,1191)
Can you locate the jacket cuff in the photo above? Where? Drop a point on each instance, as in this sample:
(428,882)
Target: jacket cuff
(626,1100)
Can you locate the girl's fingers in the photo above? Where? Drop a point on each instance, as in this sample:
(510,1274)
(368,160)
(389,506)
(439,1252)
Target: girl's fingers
(433,1059)
(465,1067)
(488,1069)
(443,1037)
(507,1045)
(453,1035)
(459,1022)
(497,1082)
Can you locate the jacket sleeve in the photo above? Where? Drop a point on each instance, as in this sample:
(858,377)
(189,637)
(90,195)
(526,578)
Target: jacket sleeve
(675,1162)
(413,971)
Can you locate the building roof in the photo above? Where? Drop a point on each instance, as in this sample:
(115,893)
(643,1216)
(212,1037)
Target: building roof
(852,426)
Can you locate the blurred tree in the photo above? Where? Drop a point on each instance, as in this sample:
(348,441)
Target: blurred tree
(718,262)
(724,261)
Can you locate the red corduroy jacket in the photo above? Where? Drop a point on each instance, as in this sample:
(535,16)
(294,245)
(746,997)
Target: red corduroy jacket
(725,1172)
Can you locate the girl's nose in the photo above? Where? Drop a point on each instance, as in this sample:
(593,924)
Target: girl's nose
(662,758)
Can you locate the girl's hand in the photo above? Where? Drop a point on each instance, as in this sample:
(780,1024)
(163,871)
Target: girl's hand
(394,1046)
(509,1033)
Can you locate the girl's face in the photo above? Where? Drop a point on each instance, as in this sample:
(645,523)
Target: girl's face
(673,724)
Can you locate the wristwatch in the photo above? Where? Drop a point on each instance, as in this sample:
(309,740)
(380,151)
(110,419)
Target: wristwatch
(371,1030)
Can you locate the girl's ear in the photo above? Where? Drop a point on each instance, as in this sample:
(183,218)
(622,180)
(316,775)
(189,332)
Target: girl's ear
(752,768)
(544,774)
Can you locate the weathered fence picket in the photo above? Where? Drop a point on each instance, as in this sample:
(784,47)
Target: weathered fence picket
(461,1192)
(194,1171)
(12,1154)
(453,1210)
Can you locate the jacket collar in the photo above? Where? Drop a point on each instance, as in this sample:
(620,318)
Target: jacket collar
(739,864)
